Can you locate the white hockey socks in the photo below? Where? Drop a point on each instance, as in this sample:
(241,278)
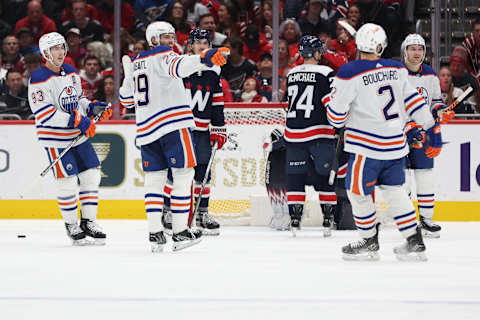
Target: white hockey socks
(180,199)
(401,208)
(88,195)
(364,214)
(424,179)
(154,182)
(67,198)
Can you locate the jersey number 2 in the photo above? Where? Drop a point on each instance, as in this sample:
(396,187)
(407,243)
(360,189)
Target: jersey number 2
(383,90)
(142,88)
(304,102)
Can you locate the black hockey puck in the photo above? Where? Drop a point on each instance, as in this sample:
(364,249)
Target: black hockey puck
(21,236)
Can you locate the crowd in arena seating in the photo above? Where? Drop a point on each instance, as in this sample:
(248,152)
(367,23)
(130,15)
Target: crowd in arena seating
(244,26)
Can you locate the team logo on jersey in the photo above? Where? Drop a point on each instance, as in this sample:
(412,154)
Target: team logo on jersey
(68,99)
(423,92)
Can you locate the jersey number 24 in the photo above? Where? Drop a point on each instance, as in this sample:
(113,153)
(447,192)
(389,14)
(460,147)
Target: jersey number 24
(304,102)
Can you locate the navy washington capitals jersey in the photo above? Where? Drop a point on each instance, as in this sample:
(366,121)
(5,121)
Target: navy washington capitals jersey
(205,90)
(307,85)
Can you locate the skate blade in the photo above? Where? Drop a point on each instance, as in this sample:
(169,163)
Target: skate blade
(327,232)
(80,242)
(211,232)
(294,231)
(96,241)
(431,235)
(168,232)
(177,246)
(411,256)
(370,256)
(156,247)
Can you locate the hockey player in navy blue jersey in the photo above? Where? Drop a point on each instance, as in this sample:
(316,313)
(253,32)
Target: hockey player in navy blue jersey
(62,113)
(426,81)
(308,134)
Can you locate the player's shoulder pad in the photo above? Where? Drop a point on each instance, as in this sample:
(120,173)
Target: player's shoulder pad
(41,74)
(154,51)
(324,70)
(428,70)
(357,67)
(68,68)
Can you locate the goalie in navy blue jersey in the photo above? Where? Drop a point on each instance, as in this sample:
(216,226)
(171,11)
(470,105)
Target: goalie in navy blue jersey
(308,134)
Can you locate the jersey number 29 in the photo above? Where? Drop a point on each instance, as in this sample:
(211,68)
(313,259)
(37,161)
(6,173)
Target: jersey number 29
(304,102)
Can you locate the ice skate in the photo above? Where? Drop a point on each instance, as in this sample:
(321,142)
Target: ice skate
(363,250)
(429,228)
(76,234)
(295,226)
(167,221)
(207,224)
(93,231)
(186,238)
(157,241)
(328,222)
(413,249)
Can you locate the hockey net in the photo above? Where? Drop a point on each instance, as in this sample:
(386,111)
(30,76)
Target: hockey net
(239,195)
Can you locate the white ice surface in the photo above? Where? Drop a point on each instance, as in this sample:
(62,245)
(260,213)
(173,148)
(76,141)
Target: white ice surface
(245,273)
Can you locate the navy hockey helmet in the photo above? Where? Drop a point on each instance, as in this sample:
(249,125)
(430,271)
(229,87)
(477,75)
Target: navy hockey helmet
(198,34)
(308,45)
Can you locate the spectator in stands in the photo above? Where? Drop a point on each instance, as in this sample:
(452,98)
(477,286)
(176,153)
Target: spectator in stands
(472,46)
(90,76)
(102,51)
(152,9)
(76,51)
(266,19)
(264,76)
(105,15)
(450,92)
(284,59)
(312,23)
(207,22)
(290,31)
(255,44)
(12,59)
(90,30)
(344,43)
(36,21)
(140,46)
(106,92)
(227,92)
(237,68)
(5,27)
(126,43)
(248,13)
(25,42)
(67,14)
(32,62)
(353,14)
(195,11)
(177,16)
(461,78)
(292,9)
(249,93)
(15,99)
(227,18)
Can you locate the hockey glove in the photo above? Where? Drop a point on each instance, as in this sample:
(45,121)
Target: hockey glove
(434,137)
(218,135)
(96,107)
(214,57)
(442,114)
(415,136)
(85,125)
(127,67)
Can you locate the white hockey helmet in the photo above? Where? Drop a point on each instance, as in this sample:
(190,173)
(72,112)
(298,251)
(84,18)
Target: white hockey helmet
(49,40)
(369,36)
(410,40)
(157,28)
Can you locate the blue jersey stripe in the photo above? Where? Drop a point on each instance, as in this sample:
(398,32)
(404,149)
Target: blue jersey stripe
(160,112)
(162,125)
(42,108)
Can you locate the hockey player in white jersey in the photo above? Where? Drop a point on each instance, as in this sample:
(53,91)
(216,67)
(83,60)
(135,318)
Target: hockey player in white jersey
(62,112)
(153,85)
(372,97)
(425,80)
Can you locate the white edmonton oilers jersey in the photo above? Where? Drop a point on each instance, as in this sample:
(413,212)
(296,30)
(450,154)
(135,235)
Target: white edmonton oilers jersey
(52,97)
(427,84)
(373,99)
(157,92)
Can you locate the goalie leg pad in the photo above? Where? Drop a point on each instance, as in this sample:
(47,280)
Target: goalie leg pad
(154,183)
(364,214)
(401,208)
(424,180)
(67,189)
(89,184)
(180,200)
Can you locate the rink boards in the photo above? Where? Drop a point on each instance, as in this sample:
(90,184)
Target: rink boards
(238,172)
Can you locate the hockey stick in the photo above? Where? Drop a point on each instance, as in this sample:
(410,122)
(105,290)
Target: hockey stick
(97,117)
(204,182)
(459,99)
(338,152)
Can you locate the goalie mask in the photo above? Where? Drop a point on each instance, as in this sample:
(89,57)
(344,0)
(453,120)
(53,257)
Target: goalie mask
(156,29)
(410,40)
(49,40)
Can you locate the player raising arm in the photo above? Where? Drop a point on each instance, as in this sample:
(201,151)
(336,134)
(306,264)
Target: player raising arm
(62,112)
(372,97)
(153,84)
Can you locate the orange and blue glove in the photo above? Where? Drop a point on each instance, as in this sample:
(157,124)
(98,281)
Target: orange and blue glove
(434,141)
(442,114)
(415,136)
(84,124)
(214,57)
(218,135)
(95,107)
